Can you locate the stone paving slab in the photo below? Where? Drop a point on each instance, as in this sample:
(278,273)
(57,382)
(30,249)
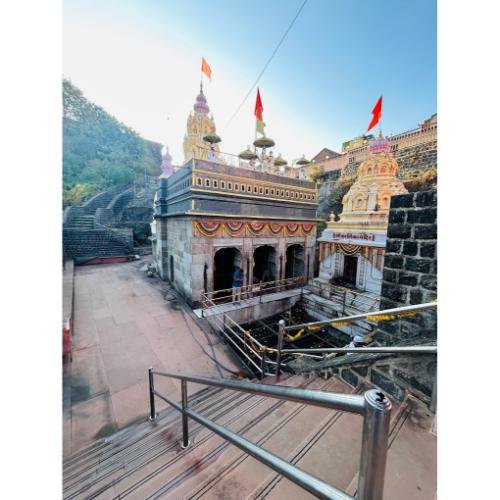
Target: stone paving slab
(122,326)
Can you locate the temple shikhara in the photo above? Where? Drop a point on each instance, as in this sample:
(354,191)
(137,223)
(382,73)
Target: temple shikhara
(351,250)
(218,213)
(199,125)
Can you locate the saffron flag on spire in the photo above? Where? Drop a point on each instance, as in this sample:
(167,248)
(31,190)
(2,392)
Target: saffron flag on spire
(377,113)
(259,126)
(206,69)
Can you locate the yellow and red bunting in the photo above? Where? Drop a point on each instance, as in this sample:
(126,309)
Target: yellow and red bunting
(217,229)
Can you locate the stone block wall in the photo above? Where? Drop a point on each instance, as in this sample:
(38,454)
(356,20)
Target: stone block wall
(178,249)
(393,374)
(409,277)
(410,266)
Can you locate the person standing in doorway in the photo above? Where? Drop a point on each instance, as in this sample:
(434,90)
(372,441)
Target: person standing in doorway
(237,283)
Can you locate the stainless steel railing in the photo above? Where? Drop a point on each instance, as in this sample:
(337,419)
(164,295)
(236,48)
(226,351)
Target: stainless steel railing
(373,406)
(384,315)
(227,295)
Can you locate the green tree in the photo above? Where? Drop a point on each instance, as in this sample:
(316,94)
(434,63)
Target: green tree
(98,151)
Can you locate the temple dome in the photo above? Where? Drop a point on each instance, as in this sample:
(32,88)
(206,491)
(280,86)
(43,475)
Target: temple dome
(201,106)
(369,198)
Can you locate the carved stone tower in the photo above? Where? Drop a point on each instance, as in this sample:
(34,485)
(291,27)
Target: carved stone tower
(199,124)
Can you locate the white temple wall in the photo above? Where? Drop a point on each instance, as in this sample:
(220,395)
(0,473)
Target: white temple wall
(369,278)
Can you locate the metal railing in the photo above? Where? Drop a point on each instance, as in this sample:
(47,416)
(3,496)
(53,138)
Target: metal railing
(226,295)
(221,157)
(384,315)
(345,297)
(373,406)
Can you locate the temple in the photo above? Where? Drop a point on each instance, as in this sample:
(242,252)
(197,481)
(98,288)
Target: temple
(199,124)
(352,249)
(216,214)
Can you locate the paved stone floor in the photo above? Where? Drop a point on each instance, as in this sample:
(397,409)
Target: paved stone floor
(125,322)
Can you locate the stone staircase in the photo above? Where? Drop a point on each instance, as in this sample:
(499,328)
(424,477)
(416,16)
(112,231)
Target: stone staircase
(84,237)
(145,460)
(96,243)
(82,223)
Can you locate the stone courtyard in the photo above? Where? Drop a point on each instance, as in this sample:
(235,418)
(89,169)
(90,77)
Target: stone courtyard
(125,322)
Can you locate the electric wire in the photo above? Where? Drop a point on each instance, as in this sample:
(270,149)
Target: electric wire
(267,63)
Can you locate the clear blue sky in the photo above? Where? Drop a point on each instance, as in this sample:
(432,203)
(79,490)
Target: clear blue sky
(339,57)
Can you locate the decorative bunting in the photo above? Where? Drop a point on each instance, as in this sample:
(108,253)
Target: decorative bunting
(209,228)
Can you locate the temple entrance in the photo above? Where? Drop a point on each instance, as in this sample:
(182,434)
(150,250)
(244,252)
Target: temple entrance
(264,264)
(225,261)
(294,261)
(350,269)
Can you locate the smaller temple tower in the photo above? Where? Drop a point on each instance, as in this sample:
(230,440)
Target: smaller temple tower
(352,249)
(199,124)
(167,169)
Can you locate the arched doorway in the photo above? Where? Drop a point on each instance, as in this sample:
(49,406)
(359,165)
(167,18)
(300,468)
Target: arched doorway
(350,269)
(294,261)
(225,261)
(264,264)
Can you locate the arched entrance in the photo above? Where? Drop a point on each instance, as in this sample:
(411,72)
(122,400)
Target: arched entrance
(350,269)
(294,261)
(264,264)
(225,261)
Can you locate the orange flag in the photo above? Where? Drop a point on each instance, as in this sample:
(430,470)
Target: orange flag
(377,113)
(205,68)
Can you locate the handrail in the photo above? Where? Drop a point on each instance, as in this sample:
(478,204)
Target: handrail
(257,289)
(373,406)
(416,349)
(370,316)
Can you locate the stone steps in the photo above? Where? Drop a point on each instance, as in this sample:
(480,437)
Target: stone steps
(82,222)
(145,460)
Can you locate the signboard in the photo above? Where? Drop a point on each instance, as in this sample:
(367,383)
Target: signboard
(363,238)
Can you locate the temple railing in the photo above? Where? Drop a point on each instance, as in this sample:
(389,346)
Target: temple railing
(345,297)
(236,294)
(210,155)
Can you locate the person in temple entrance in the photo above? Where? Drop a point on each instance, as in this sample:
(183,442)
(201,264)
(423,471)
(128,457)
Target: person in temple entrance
(237,283)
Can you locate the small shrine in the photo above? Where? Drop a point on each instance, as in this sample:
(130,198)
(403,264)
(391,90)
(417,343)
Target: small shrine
(352,248)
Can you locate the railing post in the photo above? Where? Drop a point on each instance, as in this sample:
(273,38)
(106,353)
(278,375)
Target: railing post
(263,365)
(185,430)
(281,333)
(374,445)
(152,411)
(433,405)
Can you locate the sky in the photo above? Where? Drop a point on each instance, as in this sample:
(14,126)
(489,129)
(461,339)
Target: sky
(140,60)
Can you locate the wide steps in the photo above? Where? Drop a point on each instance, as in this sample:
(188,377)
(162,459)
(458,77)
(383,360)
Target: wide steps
(146,461)
(133,457)
(238,475)
(132,448)
(169,477)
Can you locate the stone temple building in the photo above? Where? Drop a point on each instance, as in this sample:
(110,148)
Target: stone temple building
(211,216)
(352,249)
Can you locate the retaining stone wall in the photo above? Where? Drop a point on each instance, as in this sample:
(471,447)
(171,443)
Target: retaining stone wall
(409,277)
